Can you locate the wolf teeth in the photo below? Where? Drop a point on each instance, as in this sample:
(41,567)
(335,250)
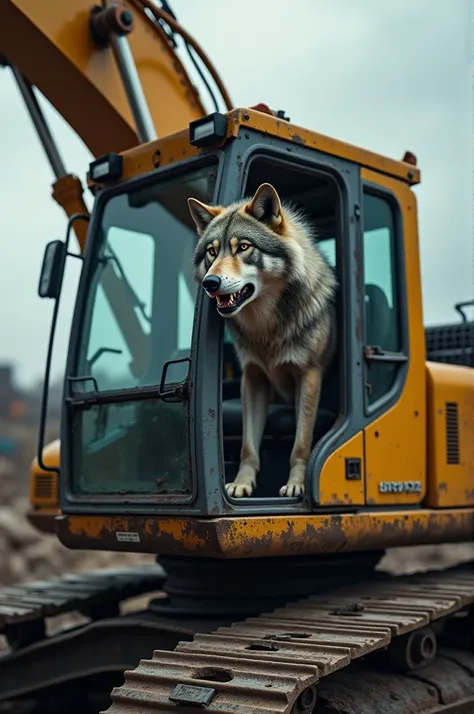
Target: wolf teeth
(230,298)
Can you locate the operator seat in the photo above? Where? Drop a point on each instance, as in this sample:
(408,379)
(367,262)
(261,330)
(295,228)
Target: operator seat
(380,331)
(378,317)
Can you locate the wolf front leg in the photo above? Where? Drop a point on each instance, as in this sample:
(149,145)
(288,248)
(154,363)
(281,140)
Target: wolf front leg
(308,394)
(255,401)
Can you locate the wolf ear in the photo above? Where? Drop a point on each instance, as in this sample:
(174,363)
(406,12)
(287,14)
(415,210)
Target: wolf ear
(265,206)
(201,214)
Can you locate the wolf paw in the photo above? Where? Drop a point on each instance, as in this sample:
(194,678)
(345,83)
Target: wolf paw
(295,484)
(244,482)
(239,490)
(292,489)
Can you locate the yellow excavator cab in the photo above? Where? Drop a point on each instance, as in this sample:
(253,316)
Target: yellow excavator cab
(150,432)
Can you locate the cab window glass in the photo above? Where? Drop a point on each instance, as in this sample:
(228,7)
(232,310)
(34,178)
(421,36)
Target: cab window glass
(381,300)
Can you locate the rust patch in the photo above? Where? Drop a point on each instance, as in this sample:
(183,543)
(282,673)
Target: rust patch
(358,266)
(258,536)
(336,501)
(240,165)
(297,139)
(156,158)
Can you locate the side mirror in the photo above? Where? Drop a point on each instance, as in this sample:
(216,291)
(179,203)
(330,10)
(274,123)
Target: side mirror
(52,270)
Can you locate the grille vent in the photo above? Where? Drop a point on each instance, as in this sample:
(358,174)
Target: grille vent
(46,487)
(451,344)
(452,433)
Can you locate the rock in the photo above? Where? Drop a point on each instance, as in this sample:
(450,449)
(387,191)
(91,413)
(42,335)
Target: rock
(40,552)
(17,570)
(16,528)
(7,467)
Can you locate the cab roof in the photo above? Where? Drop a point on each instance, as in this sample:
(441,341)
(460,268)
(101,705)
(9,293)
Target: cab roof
(176,147)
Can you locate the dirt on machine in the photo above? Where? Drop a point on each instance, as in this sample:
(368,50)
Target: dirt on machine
(261,602)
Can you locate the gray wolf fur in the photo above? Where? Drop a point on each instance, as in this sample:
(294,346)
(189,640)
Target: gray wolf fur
(259,260)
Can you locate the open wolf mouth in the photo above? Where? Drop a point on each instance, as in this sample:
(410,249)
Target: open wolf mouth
(229,302)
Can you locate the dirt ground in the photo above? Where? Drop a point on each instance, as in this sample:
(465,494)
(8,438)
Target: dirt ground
(27,554)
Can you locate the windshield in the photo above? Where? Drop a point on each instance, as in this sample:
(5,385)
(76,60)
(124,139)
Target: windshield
(140,308)
(138,314)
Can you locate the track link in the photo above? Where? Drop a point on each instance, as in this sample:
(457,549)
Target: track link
(273,663)
(95,594)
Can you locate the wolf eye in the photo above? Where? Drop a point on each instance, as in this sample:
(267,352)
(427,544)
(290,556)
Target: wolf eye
(244,246)
(211,251)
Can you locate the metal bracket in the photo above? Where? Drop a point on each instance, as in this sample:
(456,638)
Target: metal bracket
(189,694)
(175,394)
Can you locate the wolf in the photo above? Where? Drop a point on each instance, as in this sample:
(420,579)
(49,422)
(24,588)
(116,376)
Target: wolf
(258,259)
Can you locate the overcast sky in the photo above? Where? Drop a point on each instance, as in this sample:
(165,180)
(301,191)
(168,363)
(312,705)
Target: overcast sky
(390,76)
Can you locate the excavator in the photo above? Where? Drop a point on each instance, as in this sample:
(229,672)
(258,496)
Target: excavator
(253,604)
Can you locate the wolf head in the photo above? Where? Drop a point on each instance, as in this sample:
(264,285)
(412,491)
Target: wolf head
(248,250)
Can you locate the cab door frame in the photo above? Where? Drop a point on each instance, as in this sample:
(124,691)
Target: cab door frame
(395,423)
(383,464)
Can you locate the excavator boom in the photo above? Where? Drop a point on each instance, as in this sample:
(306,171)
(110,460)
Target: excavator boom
(51,45)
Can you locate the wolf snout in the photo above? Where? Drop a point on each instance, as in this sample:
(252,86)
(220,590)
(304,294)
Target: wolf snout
(211,283)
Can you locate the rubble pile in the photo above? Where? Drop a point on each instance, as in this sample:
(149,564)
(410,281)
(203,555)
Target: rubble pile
(29,555)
